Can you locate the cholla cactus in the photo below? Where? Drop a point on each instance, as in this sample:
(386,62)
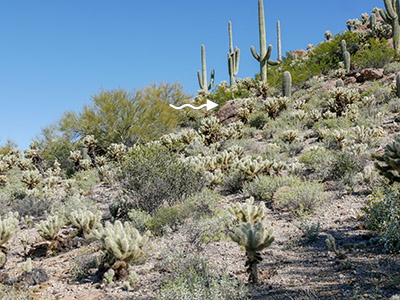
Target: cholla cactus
(299,115)
(33,154)
(27,265)
(85,164)
(247,212)
(76,156)
(8,227)
(299,104)
(108,276)
(278,166)
(116,151)
(237,150)
(329,115)
(85,220)
(122,241)
(31,178)
(391,161)
(328,35)
(254,238)
(274,106)
(211,129)
(90,143)
(349,24)
(24,164)
(214,178)
(340,137)
(252,167)
(343,97)
(49,229)
(331,243)
(315,115)
(290,135)
(225,159)
(244,114)
(3,259)
(234,130)
(364,18)
(3,180)
(358,149)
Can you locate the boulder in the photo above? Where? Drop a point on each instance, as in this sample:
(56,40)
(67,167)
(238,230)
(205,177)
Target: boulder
(371,74)
(228,113)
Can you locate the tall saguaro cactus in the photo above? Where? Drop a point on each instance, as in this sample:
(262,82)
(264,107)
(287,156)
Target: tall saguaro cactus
(392,16)
(278,25)
(233,57)
(265,54)
(202,77)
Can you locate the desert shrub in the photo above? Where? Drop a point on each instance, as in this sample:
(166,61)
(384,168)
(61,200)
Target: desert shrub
(344,168)
(86,180)
(375,54)
(151,175)
(302,196)
(222,92)
(258,119)
(264,187)
(382,215)
(29,206)
(204,203)
(139,219)
(233,182)
(317,162)
(166,219)
(393,67)
(194,280)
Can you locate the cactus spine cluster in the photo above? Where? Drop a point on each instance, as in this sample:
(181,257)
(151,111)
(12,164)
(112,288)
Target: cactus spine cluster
(392,16)
(287,84)
(278,25)
(202,76)
(233,57)
(265,54)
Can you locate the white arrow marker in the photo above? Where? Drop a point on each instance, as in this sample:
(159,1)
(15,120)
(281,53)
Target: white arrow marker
(210,105)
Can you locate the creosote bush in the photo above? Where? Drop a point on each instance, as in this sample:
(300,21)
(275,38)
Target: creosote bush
(152,175)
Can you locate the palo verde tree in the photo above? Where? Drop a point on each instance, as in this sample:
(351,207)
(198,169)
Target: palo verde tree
(118,116)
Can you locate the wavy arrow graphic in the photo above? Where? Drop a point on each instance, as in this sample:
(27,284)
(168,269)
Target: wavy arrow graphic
(209,105)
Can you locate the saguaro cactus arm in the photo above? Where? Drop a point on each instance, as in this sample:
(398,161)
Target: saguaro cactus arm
(391,16)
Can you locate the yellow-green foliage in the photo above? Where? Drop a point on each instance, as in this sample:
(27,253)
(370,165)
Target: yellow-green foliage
(115,116)
(122,241)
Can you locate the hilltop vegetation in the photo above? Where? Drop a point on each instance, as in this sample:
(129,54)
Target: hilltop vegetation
(289,190)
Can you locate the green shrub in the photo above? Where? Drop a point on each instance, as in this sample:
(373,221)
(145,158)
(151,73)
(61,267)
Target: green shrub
(264,187)
(139,219)
(204,203)
(376,54)
(302,196)
(151,175)
(258,119)
(317,162)
(166,218)
(382,215)
(393,67)
(344,168)
(197,282)
(233,182)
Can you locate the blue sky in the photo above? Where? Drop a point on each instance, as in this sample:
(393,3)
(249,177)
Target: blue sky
(54,55)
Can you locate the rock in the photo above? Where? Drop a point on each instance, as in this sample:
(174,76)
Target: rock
(359,77)
(39,250)
(350,80)
(330,84)
(228,113)
(371,74)
(37,276)
(388,78)
(300,53)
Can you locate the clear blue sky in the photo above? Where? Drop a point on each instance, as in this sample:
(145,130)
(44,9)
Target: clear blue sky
(56,54)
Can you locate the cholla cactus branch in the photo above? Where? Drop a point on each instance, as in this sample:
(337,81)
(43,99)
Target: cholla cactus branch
(247,212)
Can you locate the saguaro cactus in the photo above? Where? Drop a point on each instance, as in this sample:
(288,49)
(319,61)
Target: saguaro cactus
(347,60)
(265,54)
(392,16)
(233,57)
(398,85)
(343,47)
(278,25)
(203,75)
(287,84)
(372,21)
